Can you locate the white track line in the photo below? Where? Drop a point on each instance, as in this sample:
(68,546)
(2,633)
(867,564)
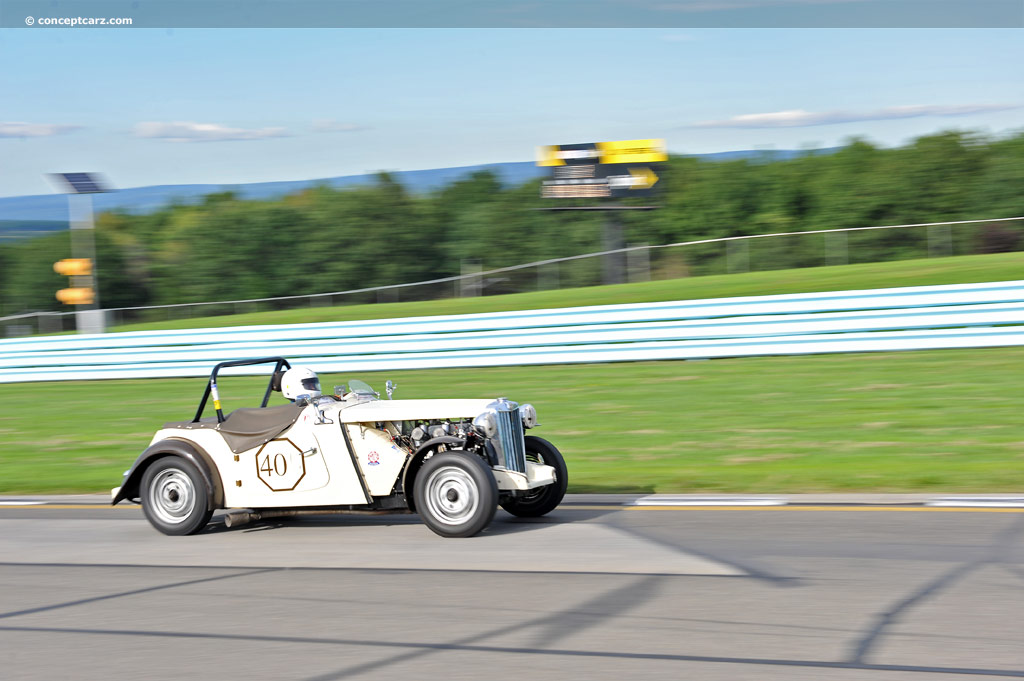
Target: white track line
(977,502)
(21,503)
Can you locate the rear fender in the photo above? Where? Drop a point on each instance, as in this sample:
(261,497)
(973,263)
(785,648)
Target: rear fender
(173,447)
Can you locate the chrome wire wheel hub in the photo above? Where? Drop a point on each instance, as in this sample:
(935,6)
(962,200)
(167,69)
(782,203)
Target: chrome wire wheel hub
(452,496)
(173,496)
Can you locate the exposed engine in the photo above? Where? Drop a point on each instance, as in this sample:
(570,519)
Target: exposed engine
(418,432)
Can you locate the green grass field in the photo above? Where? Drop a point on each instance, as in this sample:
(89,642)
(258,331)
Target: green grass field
(953,270)
(946,421)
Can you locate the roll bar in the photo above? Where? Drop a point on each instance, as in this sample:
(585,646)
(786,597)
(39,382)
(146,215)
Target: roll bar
(211,385)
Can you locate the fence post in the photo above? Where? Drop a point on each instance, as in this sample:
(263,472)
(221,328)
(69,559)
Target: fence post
(737,255)
(469,285)
(638,263)
(940,241)
(836,249)
(548,277)
(47,325)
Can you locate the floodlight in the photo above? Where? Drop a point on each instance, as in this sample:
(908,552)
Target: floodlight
(80,183)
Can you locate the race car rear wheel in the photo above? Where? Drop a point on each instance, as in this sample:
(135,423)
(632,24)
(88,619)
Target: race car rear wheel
(537,502)
(174,496)
(455,494)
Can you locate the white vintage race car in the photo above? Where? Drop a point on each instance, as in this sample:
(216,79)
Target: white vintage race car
(451,461)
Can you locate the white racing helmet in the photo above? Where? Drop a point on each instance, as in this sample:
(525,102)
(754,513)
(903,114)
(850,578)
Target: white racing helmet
(300,381)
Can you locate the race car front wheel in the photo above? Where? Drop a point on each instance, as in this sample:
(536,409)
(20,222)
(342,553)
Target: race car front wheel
(455,494)
(174,497)
(545,499)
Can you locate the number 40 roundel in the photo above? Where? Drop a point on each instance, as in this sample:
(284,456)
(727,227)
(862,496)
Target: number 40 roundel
(280,465)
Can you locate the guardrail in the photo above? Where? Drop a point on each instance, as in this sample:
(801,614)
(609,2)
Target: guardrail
(912,318)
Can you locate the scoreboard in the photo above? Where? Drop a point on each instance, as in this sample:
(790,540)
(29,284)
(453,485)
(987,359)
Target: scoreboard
(601,169)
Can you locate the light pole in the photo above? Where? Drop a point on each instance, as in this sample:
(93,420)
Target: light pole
(85,293)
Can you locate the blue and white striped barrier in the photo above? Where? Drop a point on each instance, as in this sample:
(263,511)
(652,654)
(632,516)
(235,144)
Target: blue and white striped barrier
(912,318)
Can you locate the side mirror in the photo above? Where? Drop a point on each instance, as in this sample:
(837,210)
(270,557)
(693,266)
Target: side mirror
(390,387)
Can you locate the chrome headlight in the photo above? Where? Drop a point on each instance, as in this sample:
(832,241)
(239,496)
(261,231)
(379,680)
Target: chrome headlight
(486,424)
(529,415)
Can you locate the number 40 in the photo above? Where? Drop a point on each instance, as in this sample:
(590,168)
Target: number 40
(280,465)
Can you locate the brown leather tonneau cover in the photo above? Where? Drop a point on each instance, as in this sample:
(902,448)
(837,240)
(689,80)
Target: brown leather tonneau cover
(247,428)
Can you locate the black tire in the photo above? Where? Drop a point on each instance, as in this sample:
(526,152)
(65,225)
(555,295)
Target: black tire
(455,494)
(174,496)
(542,500)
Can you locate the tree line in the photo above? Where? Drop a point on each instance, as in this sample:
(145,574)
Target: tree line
(325,239)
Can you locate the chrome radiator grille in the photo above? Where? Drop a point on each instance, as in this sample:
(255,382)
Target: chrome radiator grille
(510,437)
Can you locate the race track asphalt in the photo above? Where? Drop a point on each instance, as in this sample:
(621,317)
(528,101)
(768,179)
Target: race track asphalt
(600,589)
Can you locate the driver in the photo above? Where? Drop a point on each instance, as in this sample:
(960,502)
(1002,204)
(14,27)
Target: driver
(300,381)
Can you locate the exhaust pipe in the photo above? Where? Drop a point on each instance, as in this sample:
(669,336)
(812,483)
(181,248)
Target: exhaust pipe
(239,518)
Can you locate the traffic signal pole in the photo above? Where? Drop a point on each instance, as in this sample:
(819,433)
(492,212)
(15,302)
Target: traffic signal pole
(88,315)
(84,293)
(83,245)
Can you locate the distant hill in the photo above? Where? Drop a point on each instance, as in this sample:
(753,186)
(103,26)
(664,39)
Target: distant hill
(12,230)
(22,216)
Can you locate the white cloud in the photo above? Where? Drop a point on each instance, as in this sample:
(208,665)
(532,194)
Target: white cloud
(331,125)
(182,131)
(797,118)
(18,129)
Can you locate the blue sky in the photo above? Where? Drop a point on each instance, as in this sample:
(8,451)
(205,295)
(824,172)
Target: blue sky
(155,106)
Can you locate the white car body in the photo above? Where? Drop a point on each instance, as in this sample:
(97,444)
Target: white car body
(353,452)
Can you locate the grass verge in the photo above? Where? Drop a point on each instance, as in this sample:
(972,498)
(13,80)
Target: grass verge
(946,420)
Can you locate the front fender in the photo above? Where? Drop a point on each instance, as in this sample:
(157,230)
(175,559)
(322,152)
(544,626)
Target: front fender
(172,447)
(416,460)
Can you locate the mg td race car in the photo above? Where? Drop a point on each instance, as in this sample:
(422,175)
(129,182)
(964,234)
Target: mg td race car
(451,461)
